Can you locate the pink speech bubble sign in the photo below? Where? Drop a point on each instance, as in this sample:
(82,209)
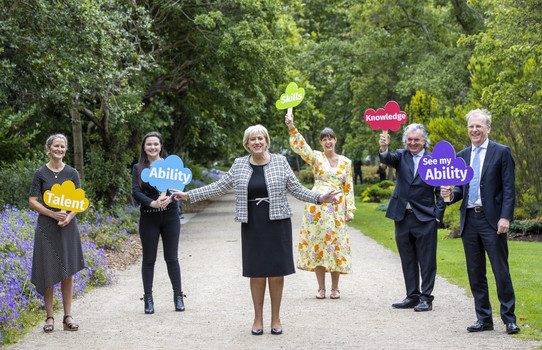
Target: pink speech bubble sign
(389,118)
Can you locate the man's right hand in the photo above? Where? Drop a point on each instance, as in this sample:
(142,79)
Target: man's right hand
(384,142)
(446,191)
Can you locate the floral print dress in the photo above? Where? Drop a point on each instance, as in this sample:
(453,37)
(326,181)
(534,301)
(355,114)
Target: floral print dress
(324,239)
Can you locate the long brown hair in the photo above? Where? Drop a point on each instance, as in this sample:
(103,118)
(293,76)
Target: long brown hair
(144,160)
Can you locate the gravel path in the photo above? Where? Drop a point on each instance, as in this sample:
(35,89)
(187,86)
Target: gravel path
(219,309)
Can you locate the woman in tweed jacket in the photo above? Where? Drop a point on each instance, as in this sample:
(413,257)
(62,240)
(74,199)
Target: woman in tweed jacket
(260,182)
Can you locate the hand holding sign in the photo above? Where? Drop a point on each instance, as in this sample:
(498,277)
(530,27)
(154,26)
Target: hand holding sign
(66,197)
(443,168)
(389,118)
(168,173)
(291,98)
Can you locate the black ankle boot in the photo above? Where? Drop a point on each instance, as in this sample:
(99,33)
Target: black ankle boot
(178,300)
(149,304)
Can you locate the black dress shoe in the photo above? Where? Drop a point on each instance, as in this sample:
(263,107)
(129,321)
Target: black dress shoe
(276,331)
(424,306)
(257,331)
(512,328)
(406,304)
(480,326)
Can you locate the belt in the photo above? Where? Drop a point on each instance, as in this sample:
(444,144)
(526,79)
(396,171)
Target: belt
(477,209)
(154,210)
(410,211)
(259,200)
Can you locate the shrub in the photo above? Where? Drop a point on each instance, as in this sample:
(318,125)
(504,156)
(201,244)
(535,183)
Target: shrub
(109,232)
(16,179)
(386,184)
(369,174)
(526,227)
(375,193)
(529,206)
(306,176)
(383,207)
(16,248)
(452,219)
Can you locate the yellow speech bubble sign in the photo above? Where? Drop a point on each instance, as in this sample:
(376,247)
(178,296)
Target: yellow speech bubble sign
(66,197)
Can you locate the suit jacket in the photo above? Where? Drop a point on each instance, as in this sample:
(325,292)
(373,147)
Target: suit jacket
(497,185)
(425,200)
(279,177)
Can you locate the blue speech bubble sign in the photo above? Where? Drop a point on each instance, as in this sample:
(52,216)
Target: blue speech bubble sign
(443,168)
(168,173)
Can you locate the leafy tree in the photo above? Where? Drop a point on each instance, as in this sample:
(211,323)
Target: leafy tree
(78,60)
(221,66)
(507,79)
(405,47)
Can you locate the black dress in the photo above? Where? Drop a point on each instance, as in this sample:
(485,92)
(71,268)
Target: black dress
(266,244)
(57,250)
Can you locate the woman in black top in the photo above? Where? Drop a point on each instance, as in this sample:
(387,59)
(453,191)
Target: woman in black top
(58,254)
(159,217)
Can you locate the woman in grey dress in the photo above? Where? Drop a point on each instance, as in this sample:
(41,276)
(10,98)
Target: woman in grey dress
(58,254)
(260,182)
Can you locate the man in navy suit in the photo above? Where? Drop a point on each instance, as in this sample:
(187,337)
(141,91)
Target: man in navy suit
(486,211)
(416,207)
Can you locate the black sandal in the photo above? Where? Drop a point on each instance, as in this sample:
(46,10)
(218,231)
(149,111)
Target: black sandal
(48,328)
(70,326)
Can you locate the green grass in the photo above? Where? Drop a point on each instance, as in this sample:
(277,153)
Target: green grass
(525,261)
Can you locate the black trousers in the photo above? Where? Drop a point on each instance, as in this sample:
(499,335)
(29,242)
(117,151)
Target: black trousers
(417,245)
(152,226)
(478,239)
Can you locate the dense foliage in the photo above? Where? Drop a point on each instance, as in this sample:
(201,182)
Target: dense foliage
(106,72)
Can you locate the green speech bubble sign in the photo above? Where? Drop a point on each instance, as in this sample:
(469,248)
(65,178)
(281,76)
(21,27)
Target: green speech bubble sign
(291,98)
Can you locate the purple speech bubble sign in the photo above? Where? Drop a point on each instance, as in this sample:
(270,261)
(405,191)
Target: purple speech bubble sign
(443,168)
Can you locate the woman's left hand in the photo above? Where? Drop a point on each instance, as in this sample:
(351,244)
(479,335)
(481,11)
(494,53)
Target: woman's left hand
(349,218)
(329,197)
(66,221)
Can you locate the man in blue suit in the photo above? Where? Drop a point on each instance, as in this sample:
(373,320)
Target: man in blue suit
(486,211)
(416,207)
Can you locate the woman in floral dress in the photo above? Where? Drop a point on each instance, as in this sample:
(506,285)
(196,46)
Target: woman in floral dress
(324,244)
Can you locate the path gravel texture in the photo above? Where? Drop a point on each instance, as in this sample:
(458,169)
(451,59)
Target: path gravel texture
(219,310)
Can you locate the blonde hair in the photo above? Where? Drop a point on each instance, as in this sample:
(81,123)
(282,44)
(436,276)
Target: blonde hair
(53,137)
(256,130)
(480,111)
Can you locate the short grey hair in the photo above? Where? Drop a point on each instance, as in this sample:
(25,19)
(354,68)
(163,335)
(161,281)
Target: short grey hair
(480,111)
(414,127)
(256,130)
(53,137)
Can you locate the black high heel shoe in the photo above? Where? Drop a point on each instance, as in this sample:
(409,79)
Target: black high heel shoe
(276,331)
(149,304)
(178,300)
(72,326)
(257,331)
(48,328)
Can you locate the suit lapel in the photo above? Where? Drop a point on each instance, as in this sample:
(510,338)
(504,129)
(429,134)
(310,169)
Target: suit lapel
(490,153)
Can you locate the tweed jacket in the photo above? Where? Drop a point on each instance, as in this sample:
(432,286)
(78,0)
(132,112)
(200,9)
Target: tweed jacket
(279,177)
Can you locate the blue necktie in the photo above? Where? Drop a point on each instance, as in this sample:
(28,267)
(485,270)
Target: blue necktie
(475,182)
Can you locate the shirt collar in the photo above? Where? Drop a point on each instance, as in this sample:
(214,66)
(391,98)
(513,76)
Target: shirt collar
(419,154)
(483,145)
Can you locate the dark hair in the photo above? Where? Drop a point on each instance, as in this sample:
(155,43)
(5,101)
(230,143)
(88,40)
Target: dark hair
(143,159)
(327,132)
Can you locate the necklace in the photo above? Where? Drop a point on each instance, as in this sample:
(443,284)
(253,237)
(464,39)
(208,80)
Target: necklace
(55,173)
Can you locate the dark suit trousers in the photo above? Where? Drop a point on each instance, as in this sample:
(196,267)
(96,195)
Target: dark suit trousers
(478,238)
(417,246)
